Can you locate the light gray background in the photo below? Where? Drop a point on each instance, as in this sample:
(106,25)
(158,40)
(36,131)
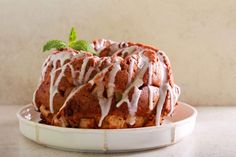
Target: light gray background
(198,36)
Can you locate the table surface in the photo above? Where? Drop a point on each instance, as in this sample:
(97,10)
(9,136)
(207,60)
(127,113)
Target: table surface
(214,135)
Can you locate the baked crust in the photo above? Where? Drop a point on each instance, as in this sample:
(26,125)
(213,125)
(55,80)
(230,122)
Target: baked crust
(69,93)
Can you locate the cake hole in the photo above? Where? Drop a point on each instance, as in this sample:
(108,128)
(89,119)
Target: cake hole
(141,87)
(93,87)
(62,93)
(105,93)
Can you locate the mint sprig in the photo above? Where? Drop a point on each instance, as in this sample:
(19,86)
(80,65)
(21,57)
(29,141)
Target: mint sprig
(57,44)
(72,37)
(79,45)
(83,45)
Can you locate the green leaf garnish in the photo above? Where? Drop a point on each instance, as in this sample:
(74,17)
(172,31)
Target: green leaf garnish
(79,45)
(83,45)
(54,44)
(72,37)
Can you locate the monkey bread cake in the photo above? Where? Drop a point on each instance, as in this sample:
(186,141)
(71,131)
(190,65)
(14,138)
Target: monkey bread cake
(125,85)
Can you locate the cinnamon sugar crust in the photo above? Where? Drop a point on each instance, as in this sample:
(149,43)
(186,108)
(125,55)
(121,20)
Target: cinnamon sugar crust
(127,85)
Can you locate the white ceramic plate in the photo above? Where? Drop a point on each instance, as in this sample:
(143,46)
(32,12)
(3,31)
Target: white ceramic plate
(175,128)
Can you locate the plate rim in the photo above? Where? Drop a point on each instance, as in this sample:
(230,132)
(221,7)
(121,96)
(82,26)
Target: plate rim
(63,129)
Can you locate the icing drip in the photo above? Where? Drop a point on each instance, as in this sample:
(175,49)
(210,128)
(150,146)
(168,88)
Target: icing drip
(73,74)
(150,97)
(112,75)
(54,86)
(128,50)
(105,103)
(61,57)
(76,89)
(100,44)
(43,69)
(140,60)
(54,58)
(34,95)
(162,89)
(87,75)
(99,75)
(135,84)
(171,99)
(131,70)
(133,105)
(174,96)
(82,70)
(150,74)
(101,61)
(150,91)
(72,93)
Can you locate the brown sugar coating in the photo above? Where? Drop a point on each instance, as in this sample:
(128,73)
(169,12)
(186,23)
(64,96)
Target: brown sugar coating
(127,85)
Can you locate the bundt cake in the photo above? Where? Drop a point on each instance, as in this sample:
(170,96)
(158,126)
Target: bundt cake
(127,85)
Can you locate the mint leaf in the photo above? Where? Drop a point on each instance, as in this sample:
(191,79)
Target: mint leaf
(54,44)
(72,36)
(83,45)
(77,45)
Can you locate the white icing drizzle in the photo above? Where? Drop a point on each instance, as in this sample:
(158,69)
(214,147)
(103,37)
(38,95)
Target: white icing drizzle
(150,74)
(138,81)
(43,69)
(101,61)
(128,50)
(174,96)
(99,75)
(131,70)
(62,57)
(72,93)
(54,58)
(88,73)
(112,75)
(100,44)
(162,89)
(34,95)
(140,60)
(150,91)
(171,99)
(73,74)
(105,103)
(133,105)
(150,97)
(54,86)
(177,91)
(76,89)
(82,70)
